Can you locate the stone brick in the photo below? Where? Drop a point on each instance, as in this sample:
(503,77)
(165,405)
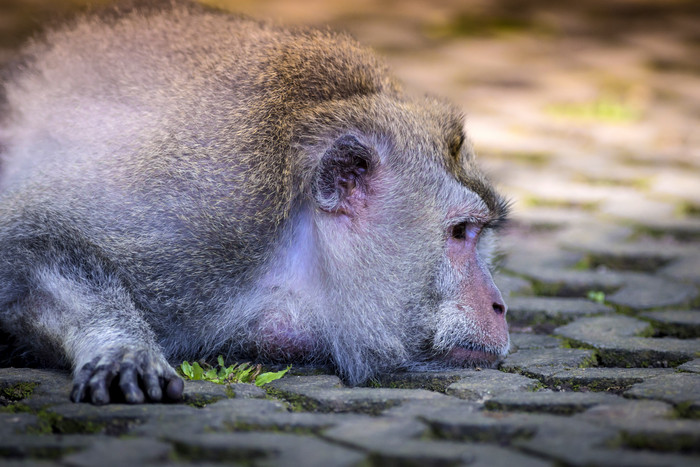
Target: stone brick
(692,366)
(647,255)
(397,442)
(20,423)
(320,394)
(685,269)
(543,363)
(288,422)
(43,447)
(539,310)
(615,339)
(485,384)
(602,379)
(646,291)
(509,285)
(263,448)
(569,441)
(679,389)
(431,380)
(570,283)
(523,341)
(564,403)
(121,452)
(677,323)
(648,424)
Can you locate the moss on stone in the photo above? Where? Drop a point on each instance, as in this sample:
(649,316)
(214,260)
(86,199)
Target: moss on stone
(17,391)
(296,402)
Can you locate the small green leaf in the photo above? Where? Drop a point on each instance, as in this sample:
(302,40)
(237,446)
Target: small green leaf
(244,376)
(186,369)
(220,360)
(197,371)
(265,378)
(596,296)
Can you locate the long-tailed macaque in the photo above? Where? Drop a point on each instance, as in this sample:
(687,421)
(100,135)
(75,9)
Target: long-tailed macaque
(178,182)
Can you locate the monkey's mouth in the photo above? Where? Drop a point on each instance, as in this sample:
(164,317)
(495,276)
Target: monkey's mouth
(466,357)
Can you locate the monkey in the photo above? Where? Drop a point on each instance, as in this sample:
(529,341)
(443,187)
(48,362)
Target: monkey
(179,182)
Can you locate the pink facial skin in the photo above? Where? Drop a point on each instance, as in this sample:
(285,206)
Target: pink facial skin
(479,297)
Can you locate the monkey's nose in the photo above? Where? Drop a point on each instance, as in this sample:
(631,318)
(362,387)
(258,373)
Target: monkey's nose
(499,308)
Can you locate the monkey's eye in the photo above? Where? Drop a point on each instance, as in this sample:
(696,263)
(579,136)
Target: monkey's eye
(465,231)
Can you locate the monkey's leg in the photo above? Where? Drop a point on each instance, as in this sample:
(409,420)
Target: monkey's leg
(86,317)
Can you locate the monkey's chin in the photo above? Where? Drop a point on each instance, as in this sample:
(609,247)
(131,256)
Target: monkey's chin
(465,357)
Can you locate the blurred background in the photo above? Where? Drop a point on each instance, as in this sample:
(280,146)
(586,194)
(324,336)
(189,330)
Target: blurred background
(580,111)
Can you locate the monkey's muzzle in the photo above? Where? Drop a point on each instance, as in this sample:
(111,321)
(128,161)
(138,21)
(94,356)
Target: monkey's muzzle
(466,357)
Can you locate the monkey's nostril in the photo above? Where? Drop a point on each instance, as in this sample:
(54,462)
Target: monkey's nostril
(499,308)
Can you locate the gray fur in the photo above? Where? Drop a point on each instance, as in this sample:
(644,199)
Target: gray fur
(160,194)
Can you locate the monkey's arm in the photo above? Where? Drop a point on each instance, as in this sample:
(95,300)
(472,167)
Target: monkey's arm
(81,314)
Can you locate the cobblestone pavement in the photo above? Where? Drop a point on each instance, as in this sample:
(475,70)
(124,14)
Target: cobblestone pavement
(587,116)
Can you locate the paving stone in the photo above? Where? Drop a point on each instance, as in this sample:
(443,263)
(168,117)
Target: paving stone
(539,310)
(593,235)
(579,443)
(541,364)
(321,394)
(545,218)
(530,258)
(303,383)
(112,419)
(247,391)
(485,384)
(692,366)
(635,207)
(486,426)
(256,448)
(289,422)
(570,283)
(523,341)
(200,393)
(34,388)
(219,416)
(640,256)
(679,389)
(682,229)
(645,291)
(421,409)
(615,341)
(121,452)
(676,323)
(563,403)
(648,424)
(43,447)
(492,456)
(430,380)
(509,285)
(602,379)
(19,423)
(685,269)
(396,442)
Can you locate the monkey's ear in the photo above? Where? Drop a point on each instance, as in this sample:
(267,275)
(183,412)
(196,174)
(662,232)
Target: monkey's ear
(341,184)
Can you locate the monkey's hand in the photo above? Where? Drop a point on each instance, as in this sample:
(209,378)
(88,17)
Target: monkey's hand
(137,375)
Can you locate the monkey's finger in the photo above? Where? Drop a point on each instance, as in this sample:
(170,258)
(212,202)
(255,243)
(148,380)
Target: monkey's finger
(174,387)
(151,383)
(129,384)
(80,381)
(100,382)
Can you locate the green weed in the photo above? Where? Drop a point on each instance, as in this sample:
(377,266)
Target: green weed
(236,373)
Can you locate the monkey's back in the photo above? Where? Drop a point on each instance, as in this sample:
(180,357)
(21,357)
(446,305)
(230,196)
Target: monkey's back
(165,139)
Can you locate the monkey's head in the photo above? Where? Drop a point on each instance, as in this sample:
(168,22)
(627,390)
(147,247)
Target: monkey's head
(404,224)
